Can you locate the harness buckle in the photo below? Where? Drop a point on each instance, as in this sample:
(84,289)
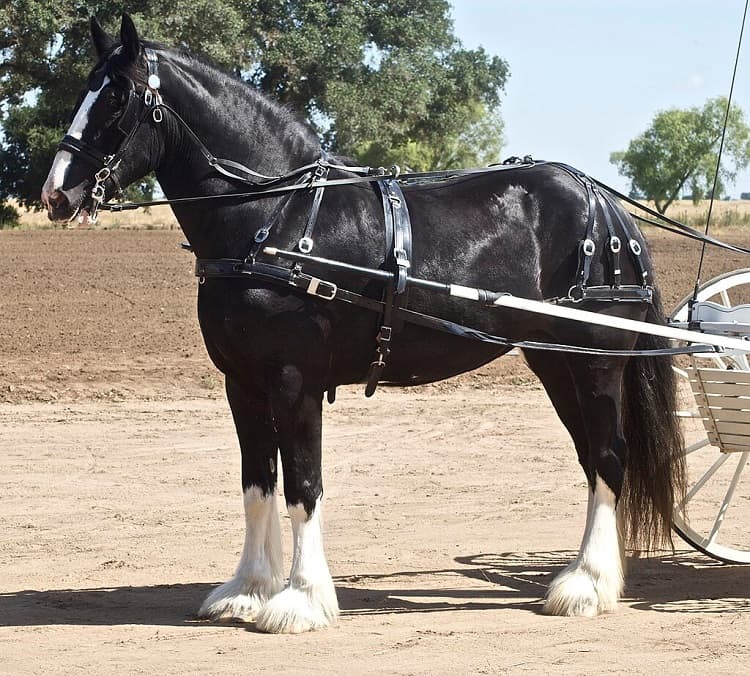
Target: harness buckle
(261,235)
(576,293)
(320,171)
(102,175)
(635,247)
(97,192)
(321,289)
(305,245)
(588,247)
(385,334)
(402,259)
(614,244)
(148,97)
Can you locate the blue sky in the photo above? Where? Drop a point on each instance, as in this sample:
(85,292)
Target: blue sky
(587,76)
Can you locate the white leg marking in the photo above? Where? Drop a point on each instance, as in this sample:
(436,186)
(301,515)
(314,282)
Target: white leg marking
(56,176)
(593,582)
(259,574)
(309,601)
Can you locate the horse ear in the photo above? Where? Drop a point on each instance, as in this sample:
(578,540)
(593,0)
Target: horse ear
(131,44)
(102,42)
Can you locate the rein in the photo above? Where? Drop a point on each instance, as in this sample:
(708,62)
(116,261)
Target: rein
(272,186)
(365,175)
(314,177)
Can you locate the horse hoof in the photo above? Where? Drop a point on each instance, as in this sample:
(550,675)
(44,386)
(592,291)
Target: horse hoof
(236,601)
(572,594)
(293,611)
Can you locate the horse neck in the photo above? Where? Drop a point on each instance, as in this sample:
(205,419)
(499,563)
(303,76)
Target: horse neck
(234,122)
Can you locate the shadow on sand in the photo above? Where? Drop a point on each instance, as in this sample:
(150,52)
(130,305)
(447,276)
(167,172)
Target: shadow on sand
(683,582)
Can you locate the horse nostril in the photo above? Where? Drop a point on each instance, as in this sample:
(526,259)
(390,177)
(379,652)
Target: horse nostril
(57,200)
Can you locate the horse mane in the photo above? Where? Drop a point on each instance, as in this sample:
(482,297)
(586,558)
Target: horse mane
(283,115)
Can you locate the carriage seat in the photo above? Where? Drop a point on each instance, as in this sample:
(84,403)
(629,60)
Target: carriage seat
(723,394)
(723,399)
(715,318)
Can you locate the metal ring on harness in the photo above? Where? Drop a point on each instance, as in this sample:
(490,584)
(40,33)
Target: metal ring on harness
(635,247)
(615,245)
(589,247)
(575,293)
(305,245)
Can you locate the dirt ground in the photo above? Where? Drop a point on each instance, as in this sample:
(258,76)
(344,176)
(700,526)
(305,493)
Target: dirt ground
(121,505)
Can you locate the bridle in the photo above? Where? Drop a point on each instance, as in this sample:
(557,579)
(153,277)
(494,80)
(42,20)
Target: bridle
(138,107)
(314,178)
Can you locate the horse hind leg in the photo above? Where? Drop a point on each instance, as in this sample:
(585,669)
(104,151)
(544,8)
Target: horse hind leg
(586,396)
(259,574)
(592,583)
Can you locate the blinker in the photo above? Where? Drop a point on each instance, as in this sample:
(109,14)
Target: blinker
(97,79)
(129,116)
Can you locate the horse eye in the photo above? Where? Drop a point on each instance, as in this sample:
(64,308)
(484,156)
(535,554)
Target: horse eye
(114,100)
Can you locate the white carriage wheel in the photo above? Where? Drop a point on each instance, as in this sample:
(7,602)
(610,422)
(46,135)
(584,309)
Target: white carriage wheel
(715,516)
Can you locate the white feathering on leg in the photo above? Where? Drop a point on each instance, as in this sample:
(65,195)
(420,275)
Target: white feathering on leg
(593,582)
(259,573)
(309,601)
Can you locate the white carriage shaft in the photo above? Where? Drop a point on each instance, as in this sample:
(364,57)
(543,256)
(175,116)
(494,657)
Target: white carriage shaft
(564,312)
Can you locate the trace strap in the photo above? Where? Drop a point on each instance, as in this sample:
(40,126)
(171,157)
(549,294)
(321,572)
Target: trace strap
(328,291)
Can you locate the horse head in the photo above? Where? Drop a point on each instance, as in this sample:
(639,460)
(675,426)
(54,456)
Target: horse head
(113,138)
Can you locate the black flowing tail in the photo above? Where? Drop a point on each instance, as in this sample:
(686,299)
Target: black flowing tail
(655,473)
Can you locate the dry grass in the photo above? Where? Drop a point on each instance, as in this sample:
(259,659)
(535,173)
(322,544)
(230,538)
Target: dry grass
(724,214)
(155,218)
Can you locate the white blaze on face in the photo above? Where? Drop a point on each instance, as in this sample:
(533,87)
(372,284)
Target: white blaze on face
(57,172)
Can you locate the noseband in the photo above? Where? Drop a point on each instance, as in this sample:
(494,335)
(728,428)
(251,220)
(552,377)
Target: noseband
(137,108)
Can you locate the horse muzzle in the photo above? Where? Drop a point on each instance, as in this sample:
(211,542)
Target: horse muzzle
(64,205)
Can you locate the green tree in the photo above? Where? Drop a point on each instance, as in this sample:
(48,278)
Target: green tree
(479,144)
(679,151)
(386,74)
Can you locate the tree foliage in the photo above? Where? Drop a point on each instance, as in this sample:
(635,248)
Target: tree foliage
(371,74)
(678,152)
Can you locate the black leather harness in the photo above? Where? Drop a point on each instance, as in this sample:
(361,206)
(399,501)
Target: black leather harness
(398,255)
(148,104)
(398,242)
(398,259)
(600,200)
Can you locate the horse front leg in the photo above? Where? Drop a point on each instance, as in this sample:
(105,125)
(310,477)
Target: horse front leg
(594,581)
(259,574)
(309,600)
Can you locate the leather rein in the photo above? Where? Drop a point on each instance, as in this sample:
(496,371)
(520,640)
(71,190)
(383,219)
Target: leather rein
(151,104)
(314,177)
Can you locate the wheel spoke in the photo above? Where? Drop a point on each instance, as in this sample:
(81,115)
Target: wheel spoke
(702,443)
(702,481)
(727,499)
(715,528)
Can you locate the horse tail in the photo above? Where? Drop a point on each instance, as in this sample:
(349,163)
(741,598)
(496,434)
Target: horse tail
(655,471)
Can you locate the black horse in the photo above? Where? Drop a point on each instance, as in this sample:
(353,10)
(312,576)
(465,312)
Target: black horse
(530,230)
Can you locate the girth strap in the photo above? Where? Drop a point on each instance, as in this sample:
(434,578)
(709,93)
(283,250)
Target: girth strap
(398,258)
